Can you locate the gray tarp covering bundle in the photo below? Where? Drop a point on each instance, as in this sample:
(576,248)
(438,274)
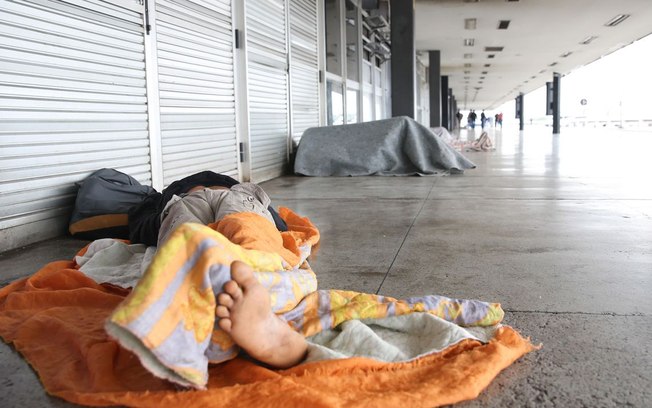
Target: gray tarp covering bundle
(398,146)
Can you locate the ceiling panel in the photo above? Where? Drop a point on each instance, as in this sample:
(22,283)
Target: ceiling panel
(543,36)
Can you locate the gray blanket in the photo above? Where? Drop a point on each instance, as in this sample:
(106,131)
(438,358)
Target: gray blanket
(398,146)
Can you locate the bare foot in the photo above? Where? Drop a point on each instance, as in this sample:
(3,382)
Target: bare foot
(245,313)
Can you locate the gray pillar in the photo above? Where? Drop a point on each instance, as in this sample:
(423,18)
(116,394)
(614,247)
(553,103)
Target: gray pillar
(434,77)
(403,62)
(519,111)
(454,110)
(556,99)
(451,114)
(445,110)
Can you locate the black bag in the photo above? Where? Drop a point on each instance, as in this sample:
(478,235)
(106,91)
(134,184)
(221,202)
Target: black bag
(103,202)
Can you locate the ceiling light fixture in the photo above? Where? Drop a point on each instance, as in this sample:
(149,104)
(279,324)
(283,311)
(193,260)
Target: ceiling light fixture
(566,54)
(493,49)
(503,24)
(470,23)
(491,55)
(588,39)
(467,65)
(617,20)
(487,65)
(468,56)
(468,42)
(553,64)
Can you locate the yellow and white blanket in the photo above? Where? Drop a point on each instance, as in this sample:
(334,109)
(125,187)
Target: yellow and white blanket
(169,319)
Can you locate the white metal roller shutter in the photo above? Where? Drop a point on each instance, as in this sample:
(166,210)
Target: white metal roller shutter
(267,83)
(72,100)
(304,68)
(196,87)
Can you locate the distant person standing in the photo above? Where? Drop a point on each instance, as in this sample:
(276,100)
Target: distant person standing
(471,119)
(459,117)
(483,119)
(499,120)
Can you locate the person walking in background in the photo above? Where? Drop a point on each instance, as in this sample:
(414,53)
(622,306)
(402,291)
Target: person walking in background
(499,120)
(483,119)
(459,117)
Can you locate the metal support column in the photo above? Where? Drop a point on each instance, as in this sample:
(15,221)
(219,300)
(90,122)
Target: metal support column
(434,79)
(403,62)
(556,99)
(444,102)
(519,111)
(451,114)
(454,123)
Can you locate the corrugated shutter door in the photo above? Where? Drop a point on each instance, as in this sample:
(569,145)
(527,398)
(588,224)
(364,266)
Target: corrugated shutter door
(72,100)
(304,68)
(196,87)
(267,83)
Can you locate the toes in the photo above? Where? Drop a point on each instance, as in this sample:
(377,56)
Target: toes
(225,324)
(243,274)
(233,290)
(225,299)
(222,311)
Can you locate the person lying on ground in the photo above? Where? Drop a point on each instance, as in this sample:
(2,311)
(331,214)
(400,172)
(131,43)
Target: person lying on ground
(145,218)
(209,204)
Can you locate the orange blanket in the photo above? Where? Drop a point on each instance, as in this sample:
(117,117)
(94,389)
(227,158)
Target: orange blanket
(55,318)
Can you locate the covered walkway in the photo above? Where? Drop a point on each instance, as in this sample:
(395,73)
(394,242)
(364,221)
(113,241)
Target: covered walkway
(558,228)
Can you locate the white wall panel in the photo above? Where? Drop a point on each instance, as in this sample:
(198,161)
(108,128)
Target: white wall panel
(267,84)
(304,66)
(72,100)
(196,87)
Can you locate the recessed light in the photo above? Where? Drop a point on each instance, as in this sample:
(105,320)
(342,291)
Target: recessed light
(470,23)
(566,54)
(491,56)
(617,20)
(588,39)
(485,72)
(553,64)
(468,56)
(467,65)
(487,65)
(467,72)
(468,42)
(493,49)
(503,24)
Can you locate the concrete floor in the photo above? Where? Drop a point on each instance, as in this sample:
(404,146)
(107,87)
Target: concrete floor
(556,228)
